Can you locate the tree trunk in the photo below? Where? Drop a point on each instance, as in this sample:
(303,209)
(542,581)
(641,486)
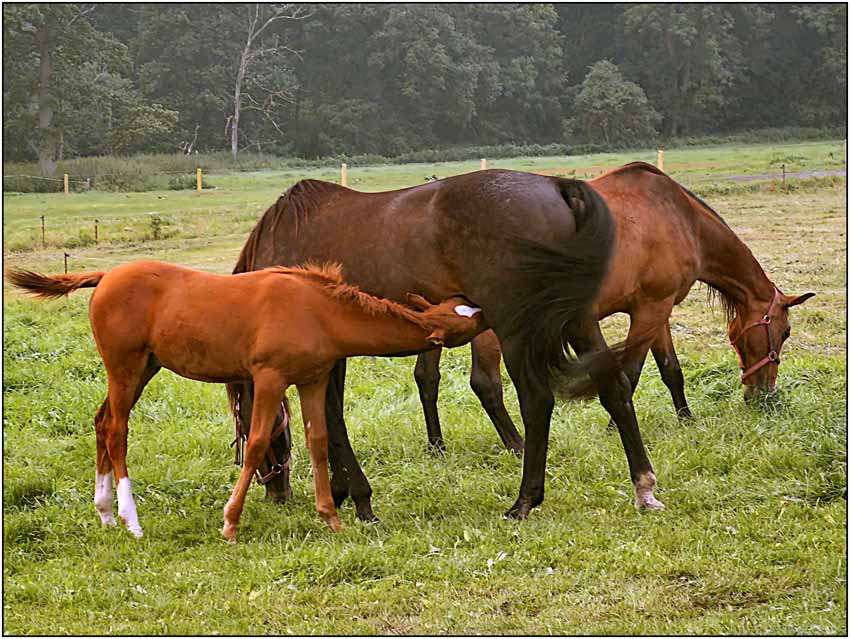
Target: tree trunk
(46,145)
(237,102)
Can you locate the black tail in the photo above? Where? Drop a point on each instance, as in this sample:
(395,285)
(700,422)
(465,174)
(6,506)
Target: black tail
(560,284)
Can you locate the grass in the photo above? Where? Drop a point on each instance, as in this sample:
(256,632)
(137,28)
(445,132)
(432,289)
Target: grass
(753,540)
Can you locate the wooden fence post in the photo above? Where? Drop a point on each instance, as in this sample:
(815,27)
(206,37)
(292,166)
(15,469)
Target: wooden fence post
(96,238)
(43,240)
(483,164)
(660,163)
(344,174)
(67,190)
(200,178)
(66,261)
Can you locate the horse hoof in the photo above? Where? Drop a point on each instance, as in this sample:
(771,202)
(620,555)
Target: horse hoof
(437,447)
(334,524)
(648,502)
(518,511)
(366,515)
(229,533)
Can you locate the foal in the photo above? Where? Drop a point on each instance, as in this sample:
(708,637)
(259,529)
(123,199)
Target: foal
(275,327)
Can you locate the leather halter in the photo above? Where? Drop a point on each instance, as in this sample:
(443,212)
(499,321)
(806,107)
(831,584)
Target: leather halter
(281,428)
(772,353)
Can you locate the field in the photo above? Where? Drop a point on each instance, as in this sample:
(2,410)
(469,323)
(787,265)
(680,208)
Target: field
(753,540)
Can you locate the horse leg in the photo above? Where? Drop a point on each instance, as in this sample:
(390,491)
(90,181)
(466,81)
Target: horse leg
(427,375)
(642,319)
(536,402)
(671,371)
(348,478)
(316,434)
(126,383)
(269,387)
(103,474)
(278,488)
(615,394)
(485,378)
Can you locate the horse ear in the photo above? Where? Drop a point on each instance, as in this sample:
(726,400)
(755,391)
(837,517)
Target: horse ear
(418,302)
(438,337)
(799,299)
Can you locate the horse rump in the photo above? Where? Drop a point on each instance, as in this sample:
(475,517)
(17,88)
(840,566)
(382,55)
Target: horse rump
(559,285)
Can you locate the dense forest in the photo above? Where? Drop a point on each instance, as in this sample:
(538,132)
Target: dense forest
(316,80)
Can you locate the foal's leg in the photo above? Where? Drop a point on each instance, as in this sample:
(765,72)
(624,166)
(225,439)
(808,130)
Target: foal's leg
(427,375)
(486,381)
(615,394)
(316,433)
(127,380)
(103,474)
(269,386)
(671,371)
(278,488)
(348,478)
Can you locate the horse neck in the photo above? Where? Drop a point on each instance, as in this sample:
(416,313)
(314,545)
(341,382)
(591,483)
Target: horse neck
(729,266)
(360,332)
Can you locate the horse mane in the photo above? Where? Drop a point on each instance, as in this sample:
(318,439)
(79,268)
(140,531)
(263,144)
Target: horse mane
(294,205)
(329,275)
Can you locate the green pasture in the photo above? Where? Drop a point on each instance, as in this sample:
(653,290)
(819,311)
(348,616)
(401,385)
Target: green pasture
(753,540)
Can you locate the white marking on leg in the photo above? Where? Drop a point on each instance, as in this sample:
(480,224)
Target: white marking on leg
(466,311)
(103,498)
(127,507)
(643,493)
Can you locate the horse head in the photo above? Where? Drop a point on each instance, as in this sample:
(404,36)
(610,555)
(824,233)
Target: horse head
(757,335)
(454,320)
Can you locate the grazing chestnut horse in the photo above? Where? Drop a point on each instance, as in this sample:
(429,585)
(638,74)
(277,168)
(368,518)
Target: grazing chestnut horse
(668,238)
(531,250)
(275,327)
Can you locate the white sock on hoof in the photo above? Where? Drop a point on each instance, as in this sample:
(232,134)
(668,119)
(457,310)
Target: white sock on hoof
(103,498)
(643,493)
(127,507)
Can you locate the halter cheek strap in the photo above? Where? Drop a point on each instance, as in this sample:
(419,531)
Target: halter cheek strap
(772,354)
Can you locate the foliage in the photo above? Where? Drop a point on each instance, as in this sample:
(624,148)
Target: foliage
(611,105)
(144,128)
(392,79)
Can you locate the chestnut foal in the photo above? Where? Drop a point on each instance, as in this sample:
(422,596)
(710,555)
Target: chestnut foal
(275,327)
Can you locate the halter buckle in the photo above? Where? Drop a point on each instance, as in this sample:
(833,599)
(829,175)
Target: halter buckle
(772,356)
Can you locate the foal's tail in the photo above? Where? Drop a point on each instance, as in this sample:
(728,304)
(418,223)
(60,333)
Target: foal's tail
(50,286)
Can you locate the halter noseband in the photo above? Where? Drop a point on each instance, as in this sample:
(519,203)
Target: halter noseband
(772,354)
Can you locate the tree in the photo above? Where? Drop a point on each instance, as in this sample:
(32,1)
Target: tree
(54,36)
(682,54)
(610,105)
(257,46)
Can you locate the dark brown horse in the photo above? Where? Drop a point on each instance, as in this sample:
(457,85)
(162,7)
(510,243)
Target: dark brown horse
(532,251)
(668,238)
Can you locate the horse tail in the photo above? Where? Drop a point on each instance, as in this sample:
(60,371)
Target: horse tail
(560,284)
(50,286)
